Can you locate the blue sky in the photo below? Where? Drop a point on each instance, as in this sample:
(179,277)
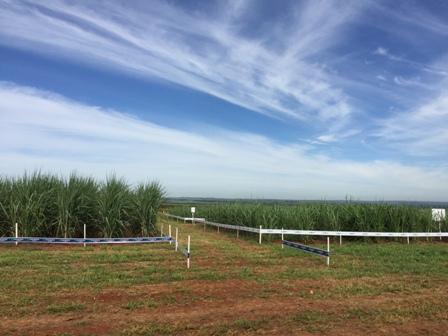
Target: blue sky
(290,99)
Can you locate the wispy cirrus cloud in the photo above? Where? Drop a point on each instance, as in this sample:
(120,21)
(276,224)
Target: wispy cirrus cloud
(420,132)
(275,73)
(44,130)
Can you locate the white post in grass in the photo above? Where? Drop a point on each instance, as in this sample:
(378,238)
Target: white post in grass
(340,240)
(237,233)
(176,243)
(408,240)
(85,235)
(283,238)
(169,232)
(259,238)
(328,250)
(17,233)
(188,250)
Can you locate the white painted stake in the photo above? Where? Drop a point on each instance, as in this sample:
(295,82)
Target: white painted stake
(176,243)
(408,240)
(328,249)
(259,238)
(17,233)
(188,250)
(85,235)
(283,238)
(340,240)
(169,232)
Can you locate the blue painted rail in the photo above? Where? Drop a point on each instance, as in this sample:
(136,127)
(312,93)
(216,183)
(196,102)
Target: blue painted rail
(306,248)
(47,240)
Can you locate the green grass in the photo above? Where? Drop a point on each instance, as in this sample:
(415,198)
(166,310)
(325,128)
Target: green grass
(151,282)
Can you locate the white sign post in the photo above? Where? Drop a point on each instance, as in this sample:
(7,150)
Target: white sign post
(193,210)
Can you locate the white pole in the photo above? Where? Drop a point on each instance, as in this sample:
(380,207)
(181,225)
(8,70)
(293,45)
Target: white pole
(408,240)
(17,232)
(176,243)
(188,250)
(340,240)
(169,232)
(85,235)
(328,250)
(283,238)
(259,238)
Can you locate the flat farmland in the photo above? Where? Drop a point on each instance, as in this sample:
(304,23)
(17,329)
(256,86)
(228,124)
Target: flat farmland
(234,287)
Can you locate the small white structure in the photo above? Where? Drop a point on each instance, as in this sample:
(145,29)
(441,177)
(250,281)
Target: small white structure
(438,215)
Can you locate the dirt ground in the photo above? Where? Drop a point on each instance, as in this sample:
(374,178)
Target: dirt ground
(235,287)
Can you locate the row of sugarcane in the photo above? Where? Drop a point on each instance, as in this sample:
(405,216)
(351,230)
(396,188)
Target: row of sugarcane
(48,205)
(347,216)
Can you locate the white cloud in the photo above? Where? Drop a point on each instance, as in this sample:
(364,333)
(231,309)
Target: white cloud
(273,73)
(420,132)
(42,130)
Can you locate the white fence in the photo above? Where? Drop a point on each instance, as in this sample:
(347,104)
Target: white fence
(339,234)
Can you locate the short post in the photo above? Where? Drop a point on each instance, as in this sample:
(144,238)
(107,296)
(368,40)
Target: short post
(408,240)
(340,240)
(188,251)
(169,232)
(85,235)
(176,244)
(259,238)
(328,250)
(17,233)
(237,233)
(283,238)
(440,228)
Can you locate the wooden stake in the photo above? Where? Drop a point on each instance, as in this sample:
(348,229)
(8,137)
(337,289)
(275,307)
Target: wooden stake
(17,233)
(259,238)
(328,249)
(188,250)
(85,235)
(176,243)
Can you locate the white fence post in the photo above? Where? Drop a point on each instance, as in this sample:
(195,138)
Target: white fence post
(283,238)
(17,233)
(328,250)
(176,243)
(259,239)
(188,250)
(169,232)
(340,240)
(408,239)
(85,235)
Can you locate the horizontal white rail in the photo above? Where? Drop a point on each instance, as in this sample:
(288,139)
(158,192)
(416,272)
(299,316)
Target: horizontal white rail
(354,233)
(321,233)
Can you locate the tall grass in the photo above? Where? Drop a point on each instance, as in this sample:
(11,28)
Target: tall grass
(50,205)
(347,216)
